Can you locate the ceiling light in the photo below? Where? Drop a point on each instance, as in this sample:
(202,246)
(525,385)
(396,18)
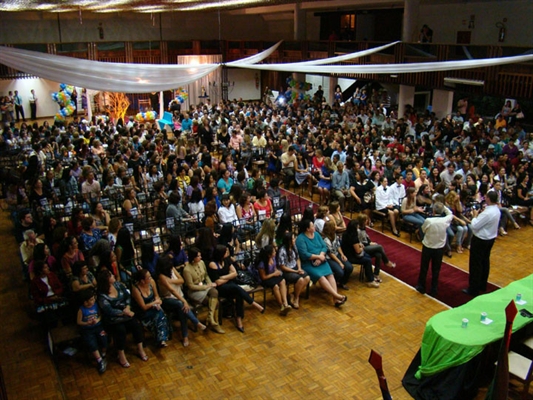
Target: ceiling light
(64,10)
(229,3)
(108,10)
(462,81)
(45,6)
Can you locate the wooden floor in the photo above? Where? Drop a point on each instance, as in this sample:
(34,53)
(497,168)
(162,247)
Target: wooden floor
(316,352)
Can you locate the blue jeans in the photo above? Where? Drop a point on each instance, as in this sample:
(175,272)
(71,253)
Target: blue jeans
(462,235)
(366,261)
(415,219)
(171,305)
(342,275)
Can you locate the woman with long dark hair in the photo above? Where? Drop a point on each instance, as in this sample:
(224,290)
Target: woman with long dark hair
(125,253)
(272,277)
(114,301)
(341,267)
(201,288)
(291,266)
(206,242)
(222,272)
(354,251)
(170,284)
(148,306)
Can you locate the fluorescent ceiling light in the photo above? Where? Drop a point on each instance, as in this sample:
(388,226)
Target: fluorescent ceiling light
(64,10)
(229,3)
(108,10)
(461,81)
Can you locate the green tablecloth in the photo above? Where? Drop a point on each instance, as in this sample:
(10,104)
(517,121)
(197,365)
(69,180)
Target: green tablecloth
(446,344)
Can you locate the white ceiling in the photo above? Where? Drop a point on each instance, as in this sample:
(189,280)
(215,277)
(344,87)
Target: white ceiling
(156,6)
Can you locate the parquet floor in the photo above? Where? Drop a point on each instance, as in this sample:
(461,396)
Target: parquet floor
(316,352)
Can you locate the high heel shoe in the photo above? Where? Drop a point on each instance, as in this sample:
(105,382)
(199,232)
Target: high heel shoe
(142,357)
(201,326)
(341,302)
(126,364)
(240,329)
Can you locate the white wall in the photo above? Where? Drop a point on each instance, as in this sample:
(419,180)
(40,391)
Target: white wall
(247,84)
(519,14)
(46,107)
(316,81)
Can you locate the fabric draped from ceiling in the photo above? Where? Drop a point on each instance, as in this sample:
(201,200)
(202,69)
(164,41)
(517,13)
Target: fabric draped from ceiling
(256,57)
(145,78)
(132,78)
(112,77)
(345,57)
(96,75)
(390,68)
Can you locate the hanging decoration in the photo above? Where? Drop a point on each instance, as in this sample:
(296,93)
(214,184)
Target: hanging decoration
(63,98)
(146,78)
(181,95)
(296,91)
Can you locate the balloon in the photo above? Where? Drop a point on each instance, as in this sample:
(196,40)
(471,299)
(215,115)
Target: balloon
(62,86)
(59,117)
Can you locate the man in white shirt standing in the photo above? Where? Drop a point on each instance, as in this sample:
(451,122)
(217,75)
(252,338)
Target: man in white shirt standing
(433,245)
(33,105)
(485,229)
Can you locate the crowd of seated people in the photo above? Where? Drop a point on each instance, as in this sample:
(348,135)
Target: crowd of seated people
(104,206)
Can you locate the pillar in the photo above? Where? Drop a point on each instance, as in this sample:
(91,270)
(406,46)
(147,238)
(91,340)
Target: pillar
(300,23)
(333,80)
(411,14)
(161,110)
(406,96)
(442,103)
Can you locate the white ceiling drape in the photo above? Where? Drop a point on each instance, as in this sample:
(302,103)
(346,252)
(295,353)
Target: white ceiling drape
(113,77)
(256,57)
(145,78)
(345,57)
(390,68)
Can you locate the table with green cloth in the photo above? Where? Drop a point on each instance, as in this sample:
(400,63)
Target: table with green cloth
(447,344)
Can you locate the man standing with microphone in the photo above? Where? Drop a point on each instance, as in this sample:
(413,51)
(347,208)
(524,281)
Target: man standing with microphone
(485,229)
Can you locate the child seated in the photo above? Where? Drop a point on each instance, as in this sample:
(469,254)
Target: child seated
(92,331)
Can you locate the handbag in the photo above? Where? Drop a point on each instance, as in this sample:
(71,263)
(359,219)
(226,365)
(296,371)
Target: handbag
(245,278)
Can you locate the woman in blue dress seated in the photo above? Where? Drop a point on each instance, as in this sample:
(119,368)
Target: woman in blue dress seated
(312,251)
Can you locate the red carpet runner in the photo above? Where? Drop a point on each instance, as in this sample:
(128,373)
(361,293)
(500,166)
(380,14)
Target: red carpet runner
(452,280)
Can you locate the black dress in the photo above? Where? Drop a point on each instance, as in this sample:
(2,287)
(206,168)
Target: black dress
(230,290)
